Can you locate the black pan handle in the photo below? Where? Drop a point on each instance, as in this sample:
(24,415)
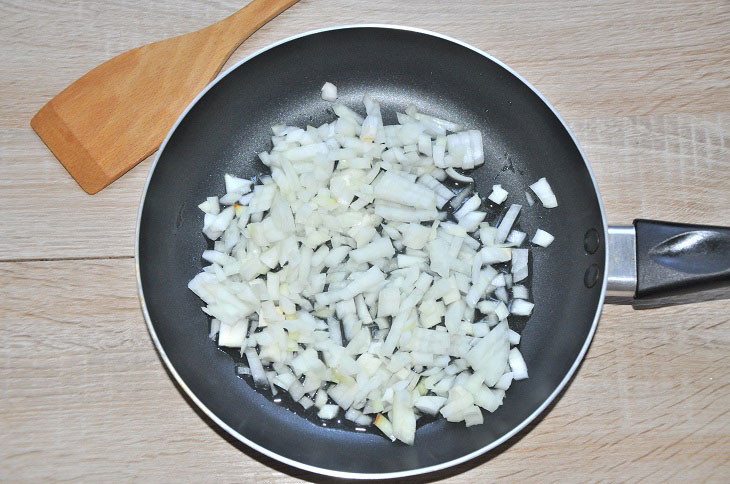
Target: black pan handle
(674,258)
(651,259)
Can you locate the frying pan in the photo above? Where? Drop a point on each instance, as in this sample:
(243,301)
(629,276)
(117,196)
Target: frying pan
(524,139)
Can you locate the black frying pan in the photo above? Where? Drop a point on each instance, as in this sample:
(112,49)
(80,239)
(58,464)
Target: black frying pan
(524,139)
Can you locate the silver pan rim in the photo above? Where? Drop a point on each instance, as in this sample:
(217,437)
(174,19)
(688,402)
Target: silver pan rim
(332,472)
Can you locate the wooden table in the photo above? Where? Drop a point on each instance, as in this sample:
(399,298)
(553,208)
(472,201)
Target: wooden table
(644,85)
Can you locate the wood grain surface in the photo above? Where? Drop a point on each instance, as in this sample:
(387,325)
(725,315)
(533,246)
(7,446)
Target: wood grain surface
(644,85)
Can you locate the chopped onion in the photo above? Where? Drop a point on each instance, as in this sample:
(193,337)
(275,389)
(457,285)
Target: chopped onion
(530,200)
(498,194)
(516,237)
(458,176)
(504,381)
(385,426)
(521,307)
(257,369)
(471,220)
(328,412)
(468,207)
(520,292)
(514,337)
(473,416)
(443,194)
(430,404)
(542,238)
(343,280)
(517,364)
(237,185)
(494,255)
(461,196)
(506,224)
(215,327)
(543,191)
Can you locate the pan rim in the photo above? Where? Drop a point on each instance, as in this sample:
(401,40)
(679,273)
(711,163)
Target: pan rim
(361,475)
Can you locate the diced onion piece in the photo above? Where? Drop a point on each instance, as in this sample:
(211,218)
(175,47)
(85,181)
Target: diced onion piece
(378,248)
(471,220)
(487,234)
(404,420)
(543,191)
(233,336)
(329,92)
(415,236)
(210,206)
(501,311)
(487,307)
(529,198)
(447,125)
(504,381)
(521,307)
(520,274)
(517,364)
(516,237)
(506,224)
(499,280)
(514,337)
(520,292)
(495,255)
(498,194)
(468,207)
(461,196)
(542,238)
(519,261)
(465,149)
(430,404)
(473,416)
(385,426)
(454,175)
(320,400)
(257,369)
(395,188)
(237,185)
(344,112)
(488,399)
(328,412)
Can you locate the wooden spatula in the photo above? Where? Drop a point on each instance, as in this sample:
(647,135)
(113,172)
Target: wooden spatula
(118,114)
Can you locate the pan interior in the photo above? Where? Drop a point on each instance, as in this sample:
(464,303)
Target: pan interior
(230,124)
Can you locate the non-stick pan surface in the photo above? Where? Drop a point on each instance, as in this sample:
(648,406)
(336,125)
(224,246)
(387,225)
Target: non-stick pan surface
(224,129)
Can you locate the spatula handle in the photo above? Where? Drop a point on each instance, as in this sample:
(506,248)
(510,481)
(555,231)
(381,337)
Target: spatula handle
(239,26)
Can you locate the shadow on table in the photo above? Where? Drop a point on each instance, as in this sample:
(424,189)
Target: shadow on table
(660,302)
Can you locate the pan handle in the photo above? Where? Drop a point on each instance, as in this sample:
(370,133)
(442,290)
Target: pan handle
(654,258)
